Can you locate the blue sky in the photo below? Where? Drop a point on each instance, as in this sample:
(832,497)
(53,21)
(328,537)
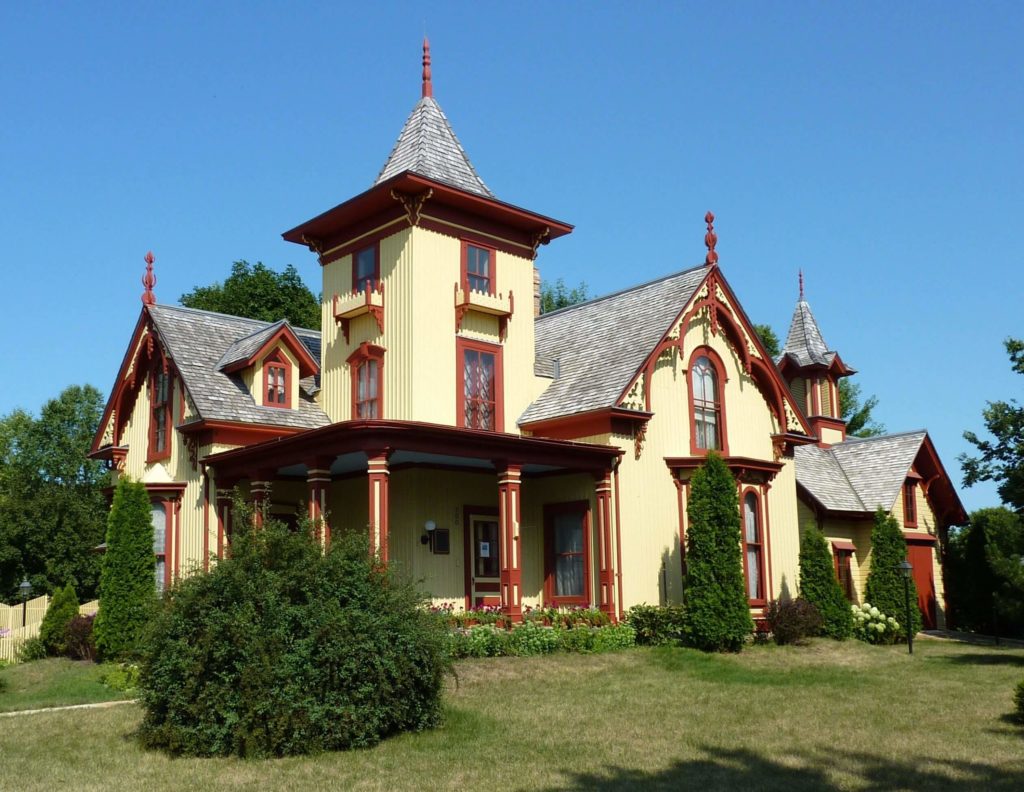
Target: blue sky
(878,146)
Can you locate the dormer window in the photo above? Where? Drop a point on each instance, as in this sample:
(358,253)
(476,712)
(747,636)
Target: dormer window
(159,416)
(276,381)
(367,366)
(477,268)
(365,269)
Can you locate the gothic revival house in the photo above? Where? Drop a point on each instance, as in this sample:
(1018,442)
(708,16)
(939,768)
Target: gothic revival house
(502,456)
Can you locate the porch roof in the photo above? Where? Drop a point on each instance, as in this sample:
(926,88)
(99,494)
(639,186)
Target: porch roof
(344,446)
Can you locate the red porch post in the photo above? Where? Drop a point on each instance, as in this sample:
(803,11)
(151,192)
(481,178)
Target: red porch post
(259,489)
(377,477)
(605,569)
(509,502)
(224,502)
(318,476)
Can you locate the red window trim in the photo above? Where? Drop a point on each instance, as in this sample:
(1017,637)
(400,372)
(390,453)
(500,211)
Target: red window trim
(279,361)
(375,246)
(462,345)
(843,558)
(464,265)
(363,353)
(581,507)
(909,504)
(761,599)
(153,454)
(167,506)
(723,434)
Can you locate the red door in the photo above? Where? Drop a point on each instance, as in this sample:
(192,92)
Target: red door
(920,555)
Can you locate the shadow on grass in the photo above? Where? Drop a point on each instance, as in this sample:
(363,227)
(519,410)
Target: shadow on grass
(1006,657)
(723,669)
(743,769)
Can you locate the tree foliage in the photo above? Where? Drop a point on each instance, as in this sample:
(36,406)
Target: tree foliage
(885,586)
(53,630)
(858,415)
(1002,458)
(52,507)
(558,295)
(281,649)
(257,292)
(818,585)
(127,581)
(717,616)
(769,339)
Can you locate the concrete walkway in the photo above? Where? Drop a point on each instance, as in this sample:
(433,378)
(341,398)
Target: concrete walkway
(101,705)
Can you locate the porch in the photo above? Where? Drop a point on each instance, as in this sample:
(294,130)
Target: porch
(480,518)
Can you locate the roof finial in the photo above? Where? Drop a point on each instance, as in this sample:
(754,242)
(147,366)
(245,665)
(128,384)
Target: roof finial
(801,285)
(149,281)
(710,240)
(428,88)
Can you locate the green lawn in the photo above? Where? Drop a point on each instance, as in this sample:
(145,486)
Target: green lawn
(828,716)
(51,683)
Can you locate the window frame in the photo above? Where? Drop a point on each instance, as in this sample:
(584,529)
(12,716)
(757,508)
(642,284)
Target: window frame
(842,559)
(762,598)
(719,404)
(277,360)
(909,493)
(154,453)
(463,345)
(375,278)
(363,354)
(167,506)
(464,266)
(552,510)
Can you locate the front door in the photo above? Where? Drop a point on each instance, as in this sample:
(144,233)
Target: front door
(921,557)
(483,558)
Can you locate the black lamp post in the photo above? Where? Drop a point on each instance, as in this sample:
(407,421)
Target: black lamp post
(25,588)
(906,568)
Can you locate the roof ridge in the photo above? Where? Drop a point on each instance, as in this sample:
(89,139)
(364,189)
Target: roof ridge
(855,440)
(265,324)
(846,476)
(620,292)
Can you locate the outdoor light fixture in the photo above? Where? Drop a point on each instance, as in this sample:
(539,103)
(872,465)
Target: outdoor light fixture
(906,568)
(25,588)
(428,528)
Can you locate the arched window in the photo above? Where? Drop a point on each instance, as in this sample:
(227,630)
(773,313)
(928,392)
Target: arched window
(753,559)
(707,423)
(367,366)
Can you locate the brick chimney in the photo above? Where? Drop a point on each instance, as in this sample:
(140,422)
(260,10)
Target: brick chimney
(536,292)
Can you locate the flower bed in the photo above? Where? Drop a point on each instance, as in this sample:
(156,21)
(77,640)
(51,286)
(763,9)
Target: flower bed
(873,626)
(531,638)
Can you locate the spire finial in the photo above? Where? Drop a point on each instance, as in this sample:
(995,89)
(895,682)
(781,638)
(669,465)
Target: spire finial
(710,240)
(149,281)
(428,88)
(801,285)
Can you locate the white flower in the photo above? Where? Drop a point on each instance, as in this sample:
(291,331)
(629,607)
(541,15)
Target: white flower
(891,620)
(895,625)
(866,606)
(855,609)
(875,612)
(880,627)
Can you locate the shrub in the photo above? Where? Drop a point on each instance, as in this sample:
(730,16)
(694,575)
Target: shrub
(793,621)
(53,630)
(654,625)
(78,638)
(127,587)
(123,676)
(716,616)
(1018,700)
(281,649)
(614,637)
(885,586)
(818,585)
(873,626)
(30,650)
(531,639)
(578,639)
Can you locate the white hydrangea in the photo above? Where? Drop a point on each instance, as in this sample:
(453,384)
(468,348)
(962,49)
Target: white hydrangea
(875,612)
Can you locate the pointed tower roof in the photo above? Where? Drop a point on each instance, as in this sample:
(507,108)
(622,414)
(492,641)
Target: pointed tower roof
(805,345)
(427,144)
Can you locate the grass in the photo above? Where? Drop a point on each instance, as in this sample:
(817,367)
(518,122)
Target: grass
(826,716)
(54,682)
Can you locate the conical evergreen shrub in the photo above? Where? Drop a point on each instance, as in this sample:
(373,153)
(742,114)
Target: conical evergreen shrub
(818,585)
(885,587)
(53,630)
(717,616)
(127,584)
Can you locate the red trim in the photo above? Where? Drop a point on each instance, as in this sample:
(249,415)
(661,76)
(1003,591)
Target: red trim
(374,280)
(766,509)
(618,543)
(582,508)
(206,522)
(378,485)
(719,403)
(273,365)
(761,599)
(365,353)
(510,504)
(842,544)
(605,420)
(463,345)
(744,469)
(606,570)
(308,366)
(122,385)
(468,512)
(910,504)
(239,434)
(153,453)
(492,269)
(920,537)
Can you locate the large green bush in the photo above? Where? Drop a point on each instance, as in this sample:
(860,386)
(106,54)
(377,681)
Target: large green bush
(53,630)
(818,585)
(716,614)
(656,625)
(885,586)
(1018,700)
(127,583)
(282,650)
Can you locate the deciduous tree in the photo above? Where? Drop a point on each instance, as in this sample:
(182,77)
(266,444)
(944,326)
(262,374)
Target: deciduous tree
(558,295)
(257,292)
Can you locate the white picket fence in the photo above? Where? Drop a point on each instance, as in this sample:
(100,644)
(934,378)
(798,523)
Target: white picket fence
(12,617)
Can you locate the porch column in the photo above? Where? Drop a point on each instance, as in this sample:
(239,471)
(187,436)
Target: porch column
(224,502)
(318,476)
(509,512)
(377,476)
(605,567)
(259,490)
